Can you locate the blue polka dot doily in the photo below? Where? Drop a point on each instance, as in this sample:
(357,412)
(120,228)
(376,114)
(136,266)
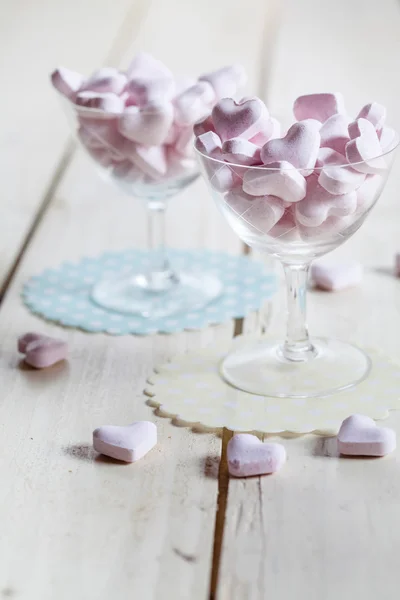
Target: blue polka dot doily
(63,294)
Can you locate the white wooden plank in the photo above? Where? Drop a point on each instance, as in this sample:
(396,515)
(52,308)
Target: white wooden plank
(35,37)
(325,527)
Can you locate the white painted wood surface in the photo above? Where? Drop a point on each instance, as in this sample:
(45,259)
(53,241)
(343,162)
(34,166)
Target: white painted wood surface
(74,526)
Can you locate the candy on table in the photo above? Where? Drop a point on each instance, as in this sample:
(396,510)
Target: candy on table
(67,82)
(334,133)
(261,213)
(364,148)
(318,106)
(226,81)
(299,147)
(42,351)
(240,151)
(148,126)
(319,204)
(240,119)
(336,276)
(107,102)
(104,80)
(129,443)
(279,179)
(248,456)
(375,113)
(360,436)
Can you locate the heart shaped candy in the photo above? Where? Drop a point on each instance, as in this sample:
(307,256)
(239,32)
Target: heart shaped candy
(359,436)
(375,113)
(319,204)
(146,66)
(327,156)
(152,160)
(194,103)
(226,81)
(318,106)
(147,126)
(260,214)
(148,91)
(248,456)
(239,119)
(67,82)
(203,126)
(106,102)
(334,133)
(129,443)
(299,147)
(279,179)
(240,151)
(209,143)
(42,351)
(340,180)
(336,276)
(364,148)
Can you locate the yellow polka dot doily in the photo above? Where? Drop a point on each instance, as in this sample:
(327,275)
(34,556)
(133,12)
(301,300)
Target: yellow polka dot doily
(190,388)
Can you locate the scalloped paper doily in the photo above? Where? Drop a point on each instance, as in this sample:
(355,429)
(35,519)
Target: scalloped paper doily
(62,294)
(191,389)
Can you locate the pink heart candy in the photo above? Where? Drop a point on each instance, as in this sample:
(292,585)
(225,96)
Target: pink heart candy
(209,143)
(148,126)
(340,180)
(222,177)
(244,119)
(142,92)
(248,456)
(42,351)
(334,133)
(129,443)
(327,156)
(318,106)
(332,226)
(105,80)
(194,103)
(336,276)
(144,66)
(279,179)
(241,151)
(360,436)
(374,113)
(299,147)
(319,204)
(67,82)
(271,130)
(226,81)
(259,213)
(107,102)
(364,148)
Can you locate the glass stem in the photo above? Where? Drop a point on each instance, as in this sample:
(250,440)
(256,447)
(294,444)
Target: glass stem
(160,276)
(297,346)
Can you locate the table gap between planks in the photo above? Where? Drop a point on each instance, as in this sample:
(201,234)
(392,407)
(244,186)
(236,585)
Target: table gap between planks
(77,525)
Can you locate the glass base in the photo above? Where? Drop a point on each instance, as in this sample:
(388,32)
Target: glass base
(261,368)
(160,296)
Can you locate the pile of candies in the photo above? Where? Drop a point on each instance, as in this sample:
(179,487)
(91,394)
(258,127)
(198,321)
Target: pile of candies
(139,123)
(315,181)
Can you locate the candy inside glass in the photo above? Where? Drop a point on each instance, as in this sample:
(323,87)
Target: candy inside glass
(157,290)
(299,366)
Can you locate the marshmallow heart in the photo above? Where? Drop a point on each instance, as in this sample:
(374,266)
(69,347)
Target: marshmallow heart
(272,130)
(374,113)
(209,143)
(142,92)
(152,160)
(299,147)
(334,133)
(107,102)
(259,213)
(222,177)
(332,226)
(364,148)
(279,179)
(327,156)
(42,351)
(194,103)
(336,276)
(203,126)
(67,82)
(241,151)
(226,81)
(340,180)
(144,66)
(129,443)
(148,126)
(248,456)
(319,204)
(244,119)
(105,80)
(359,436)
(318,106)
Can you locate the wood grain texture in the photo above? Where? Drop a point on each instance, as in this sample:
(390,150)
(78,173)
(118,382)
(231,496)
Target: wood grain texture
(74,525)
(326,527)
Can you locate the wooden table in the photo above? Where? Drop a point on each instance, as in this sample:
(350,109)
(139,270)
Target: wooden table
(173,526)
